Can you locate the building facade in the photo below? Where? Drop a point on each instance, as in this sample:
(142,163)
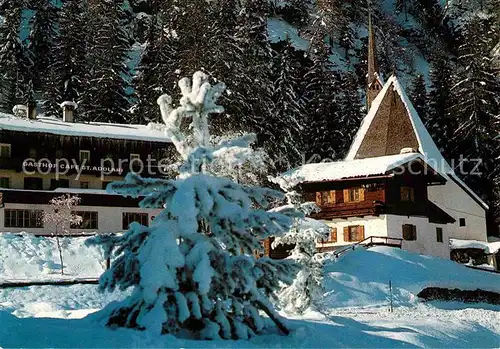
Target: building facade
(45,157)
(393,183)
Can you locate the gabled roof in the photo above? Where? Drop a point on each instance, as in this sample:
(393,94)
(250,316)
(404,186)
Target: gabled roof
(342,170)
(152,132)
(392,124)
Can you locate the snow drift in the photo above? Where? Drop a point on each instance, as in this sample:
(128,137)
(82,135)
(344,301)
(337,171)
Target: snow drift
(361,277)
(28,257)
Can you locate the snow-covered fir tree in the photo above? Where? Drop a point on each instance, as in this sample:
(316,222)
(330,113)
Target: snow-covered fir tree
(476,106)
(15,64)
(157,67)
(418,96)
(306,289)
(322,109)
(440,123)
(350,113)
(288,112)
(41,40)
(105,94)
(193,269)
(68,70)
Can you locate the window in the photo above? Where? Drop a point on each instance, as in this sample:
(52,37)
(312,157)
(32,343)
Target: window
(129,217)
(59,183)
(89,220)
(462,222)
(84,185)
(354,233)
(324,198)
(407,194)
(33,183)
(5,182)
(354,195)
(85,157)
(409,232)
(5,150)
(439,234)
(23,219)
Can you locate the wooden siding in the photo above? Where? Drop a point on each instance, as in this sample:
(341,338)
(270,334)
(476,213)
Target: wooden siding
(378,196)
(48,146)
(31,197)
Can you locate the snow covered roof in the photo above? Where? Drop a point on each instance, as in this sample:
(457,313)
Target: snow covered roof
(153,133)
(359,168)
(488,247)
(393,124)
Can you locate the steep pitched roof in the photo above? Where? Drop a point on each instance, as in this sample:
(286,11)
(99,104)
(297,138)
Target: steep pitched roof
(392,124)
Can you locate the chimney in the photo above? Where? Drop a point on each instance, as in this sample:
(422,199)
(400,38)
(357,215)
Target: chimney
(69,108)
(31,111)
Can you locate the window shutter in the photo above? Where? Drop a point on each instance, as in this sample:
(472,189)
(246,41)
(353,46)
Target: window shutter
(346,195)
(267,247)
(318,198)
(361,232)
(332,198)
(346,234)
(361,194)
(333,235)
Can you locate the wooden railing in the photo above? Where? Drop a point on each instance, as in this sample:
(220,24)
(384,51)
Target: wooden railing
(372,241)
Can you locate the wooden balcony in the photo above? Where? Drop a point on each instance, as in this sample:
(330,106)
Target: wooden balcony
(345,210)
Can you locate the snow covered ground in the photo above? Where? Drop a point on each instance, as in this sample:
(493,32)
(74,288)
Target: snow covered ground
(354,312)
(28,257)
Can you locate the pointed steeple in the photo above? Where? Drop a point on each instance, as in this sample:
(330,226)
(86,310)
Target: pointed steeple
(373,82)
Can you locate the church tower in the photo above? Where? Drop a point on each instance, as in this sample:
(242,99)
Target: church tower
(373,81)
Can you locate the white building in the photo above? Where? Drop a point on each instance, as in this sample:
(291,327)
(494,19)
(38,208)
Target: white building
(45,157)
(393,183)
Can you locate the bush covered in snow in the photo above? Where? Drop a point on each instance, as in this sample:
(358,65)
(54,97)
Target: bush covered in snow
(194,268)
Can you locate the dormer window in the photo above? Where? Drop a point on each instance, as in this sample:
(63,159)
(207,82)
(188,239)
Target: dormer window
(5,150)
(85,157)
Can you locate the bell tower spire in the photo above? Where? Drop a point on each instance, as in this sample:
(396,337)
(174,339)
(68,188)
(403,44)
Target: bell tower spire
(373,81)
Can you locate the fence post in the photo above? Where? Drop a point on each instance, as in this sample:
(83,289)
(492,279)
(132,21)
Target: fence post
(390,296)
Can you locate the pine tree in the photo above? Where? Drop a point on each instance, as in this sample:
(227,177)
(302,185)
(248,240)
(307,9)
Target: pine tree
(67,74)
(440,123)
(288,112)
(15,64)
(476,107)
(306,289)
(193,269)
(418,96)
(349,113)
(41,40)
(322,87)
(297,12)
(105,95)
(159,64)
